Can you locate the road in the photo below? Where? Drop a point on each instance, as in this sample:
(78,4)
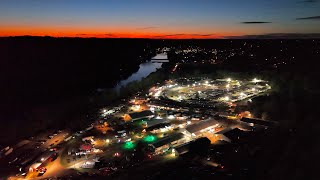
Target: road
(55,140)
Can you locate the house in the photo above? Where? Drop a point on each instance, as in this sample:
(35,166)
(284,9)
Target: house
(166,143)
(195,130)
(138,115)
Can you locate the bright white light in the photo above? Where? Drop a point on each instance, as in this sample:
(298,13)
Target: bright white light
(107,140)
(253,89)
(206,82)
(228,86)
(104,111)
(152,109)
(170,117)
(242,94)
(199,92)
(255,80)
(188,122)
(226,98)
(229,79)
(157,94)
(42,159)
(268,86)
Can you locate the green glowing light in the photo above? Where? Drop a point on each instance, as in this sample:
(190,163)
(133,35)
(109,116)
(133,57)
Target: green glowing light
(129,145)
(149,138)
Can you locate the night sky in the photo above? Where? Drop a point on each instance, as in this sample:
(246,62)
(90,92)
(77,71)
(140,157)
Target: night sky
(158,19)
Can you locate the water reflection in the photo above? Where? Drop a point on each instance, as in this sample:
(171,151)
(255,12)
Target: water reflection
(144,70)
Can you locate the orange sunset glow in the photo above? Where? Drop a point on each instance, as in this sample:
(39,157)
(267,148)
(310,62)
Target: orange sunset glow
(112,34)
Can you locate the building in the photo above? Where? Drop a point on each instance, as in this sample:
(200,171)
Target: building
(138,115)
(196,130)
(236,135)
(254,121)
(154,122)
(166,143)
(40,163)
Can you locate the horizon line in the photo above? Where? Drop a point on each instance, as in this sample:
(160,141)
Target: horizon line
(259,36)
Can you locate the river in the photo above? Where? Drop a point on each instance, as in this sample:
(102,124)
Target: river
(144,70)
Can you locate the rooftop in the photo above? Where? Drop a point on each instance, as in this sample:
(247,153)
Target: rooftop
(259,121)
(168,140)
(201,125)
(142,114)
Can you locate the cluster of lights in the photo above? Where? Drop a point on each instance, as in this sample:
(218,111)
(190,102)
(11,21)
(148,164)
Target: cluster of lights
(149,138)
(255,80)
(129,145)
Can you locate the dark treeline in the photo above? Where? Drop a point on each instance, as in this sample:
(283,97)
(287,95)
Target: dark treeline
(48,80)
(67,64)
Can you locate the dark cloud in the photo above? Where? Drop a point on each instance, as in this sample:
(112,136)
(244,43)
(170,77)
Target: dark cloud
(184,35)
(110,34)
(174,35)
(309,18)
(255,22)
(278,36)
(308,1)
(188,35)
(204,35)
(94,35)
(149,27)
